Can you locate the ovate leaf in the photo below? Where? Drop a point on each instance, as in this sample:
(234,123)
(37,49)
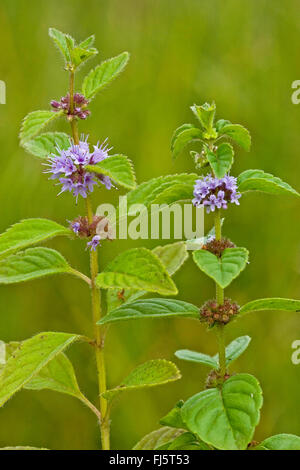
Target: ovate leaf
(184,135)
(31,264)
(225,418)
(58,375)
(271,304)
(258,180)
(151,308)
(29,359)
(172,256)
(138,269)
(29,232)
(103,74)
(225,269)
(280,442)
(237,133)
(79,55)
(157,438)
(88,42)
(235,349)
(222,160)
(149,374)
(155,189)
(45,144)
(34,122)
(117,167)
(206,115)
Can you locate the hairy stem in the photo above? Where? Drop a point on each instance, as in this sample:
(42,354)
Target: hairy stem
(96,304)
(220,299)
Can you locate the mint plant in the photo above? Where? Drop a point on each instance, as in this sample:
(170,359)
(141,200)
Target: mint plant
(78,168)
(224,415)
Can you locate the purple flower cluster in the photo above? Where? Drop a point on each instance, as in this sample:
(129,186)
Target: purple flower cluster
(215,193)
(80,104)
(69,167)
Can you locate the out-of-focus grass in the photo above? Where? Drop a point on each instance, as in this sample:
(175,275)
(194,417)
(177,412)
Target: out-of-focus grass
(244,55)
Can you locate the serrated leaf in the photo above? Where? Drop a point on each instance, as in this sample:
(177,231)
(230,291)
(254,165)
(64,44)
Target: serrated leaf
(60,41)
(233,351)
(184,135)
(221,161)
(258,180)
(88,42)
(117,167)
(157,438)
(173,418)
(186,441)
(225,269)
(79,55)
(172,256)
(238,134)
(153,190)
(271,304)
(151,308)
(29,232)
(138,269)
(225,418)
(149,374)
(280,442)
(193,356)
(34,122)
(58,375)
(29,359)
(205,113)
(45,144)
(103,74)
(32,264)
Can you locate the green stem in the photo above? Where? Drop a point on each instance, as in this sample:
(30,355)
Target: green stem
(96,304)
(220,299)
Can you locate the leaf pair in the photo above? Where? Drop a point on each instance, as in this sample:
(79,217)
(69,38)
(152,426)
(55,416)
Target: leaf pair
(74,54)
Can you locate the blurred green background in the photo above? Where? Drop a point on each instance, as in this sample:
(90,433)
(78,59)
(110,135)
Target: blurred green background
(244,54)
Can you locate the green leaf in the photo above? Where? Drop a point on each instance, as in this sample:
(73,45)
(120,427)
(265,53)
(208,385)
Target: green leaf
(34,122)
(157,438)
(151,308)
(32,264)
(29,359)
(117,167)
(173,418)
(79,55)
(103,74)
(222,160)
(29,232)
(172,256)
(206,115)
(153,190)
(139,269)
(280,442)
(184,135)
(88,42)
(225,269)
(45,144)
(186,441)
(271,304)
(233,351)
(258,180)
(225,418)
(58,375)
(149,374)
(238,134)
(60,40)
(193,356)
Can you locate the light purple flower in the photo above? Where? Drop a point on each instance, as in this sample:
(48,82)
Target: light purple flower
(75,227)
(215,193)
(69,167)
(94,243)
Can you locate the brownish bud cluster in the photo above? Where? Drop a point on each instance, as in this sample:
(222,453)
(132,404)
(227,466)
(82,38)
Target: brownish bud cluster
(211,312)
(218,246)
(214,379)
(84,229)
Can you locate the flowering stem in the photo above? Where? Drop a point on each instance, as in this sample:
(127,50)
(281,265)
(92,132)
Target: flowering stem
(96,302)
(220,299)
